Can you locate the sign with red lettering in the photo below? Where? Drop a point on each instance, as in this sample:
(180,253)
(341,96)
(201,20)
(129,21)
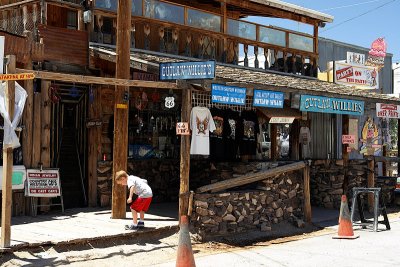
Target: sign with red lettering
(348,139)
(387,111)
(43,183)
(17,76)
(182,128)
(363,77)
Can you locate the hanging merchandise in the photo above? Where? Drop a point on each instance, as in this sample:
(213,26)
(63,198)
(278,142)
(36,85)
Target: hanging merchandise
(54,94)
(217,137)
(249,128)
(305,142)
(231,132)
(140,100)
(169,101)
(201,124)
(10,138)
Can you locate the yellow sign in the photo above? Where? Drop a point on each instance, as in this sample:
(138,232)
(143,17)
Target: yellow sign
(17,76)
(122,106)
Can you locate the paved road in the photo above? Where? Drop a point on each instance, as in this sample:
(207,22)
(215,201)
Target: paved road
(370,249)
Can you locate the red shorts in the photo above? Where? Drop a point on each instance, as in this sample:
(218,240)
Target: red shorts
(141,204)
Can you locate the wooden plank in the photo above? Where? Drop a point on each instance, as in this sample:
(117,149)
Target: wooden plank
(121,106)
(45,134)
(54,76)
(371,180)
(386,159)
(94,139)
(307,199)
(27,117)
(250,178)
(185,153)
(9,95)
(345,154)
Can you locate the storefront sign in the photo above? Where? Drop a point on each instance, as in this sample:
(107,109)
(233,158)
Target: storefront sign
(224,94)
(362,77)
(187,70)
(182,128)
(270,99)
(283,120)
(17,76)
(43,183)
(348,139)
(93,123)
(355,58)
(331,105)
(389,111)
(17,179)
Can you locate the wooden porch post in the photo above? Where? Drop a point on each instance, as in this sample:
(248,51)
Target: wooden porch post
(307,199)
(185,153)
(371,180)
(121,108)
(345,154)
(8,163)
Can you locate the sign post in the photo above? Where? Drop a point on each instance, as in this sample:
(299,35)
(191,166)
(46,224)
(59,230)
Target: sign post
(7,163)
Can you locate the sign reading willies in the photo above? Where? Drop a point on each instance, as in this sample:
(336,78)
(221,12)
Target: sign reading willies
(323,104)
(187,70)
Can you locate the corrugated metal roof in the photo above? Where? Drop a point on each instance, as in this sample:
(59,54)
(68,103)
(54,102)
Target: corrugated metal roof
(265,79)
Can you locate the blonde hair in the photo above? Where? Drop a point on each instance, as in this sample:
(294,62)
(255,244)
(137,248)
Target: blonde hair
(120,174)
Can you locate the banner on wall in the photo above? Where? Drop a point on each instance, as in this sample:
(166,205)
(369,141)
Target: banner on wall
(331,105)
(363,77)
(389,111)
(224,94)
(187,70)
(270,99)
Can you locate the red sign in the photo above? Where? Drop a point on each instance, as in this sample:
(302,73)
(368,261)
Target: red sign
(344,73)
(182,128)
(348,139)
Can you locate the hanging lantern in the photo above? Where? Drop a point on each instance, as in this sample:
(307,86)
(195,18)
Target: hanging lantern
(377,53)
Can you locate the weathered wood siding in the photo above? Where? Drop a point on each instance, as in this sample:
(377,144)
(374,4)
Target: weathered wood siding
(64,45)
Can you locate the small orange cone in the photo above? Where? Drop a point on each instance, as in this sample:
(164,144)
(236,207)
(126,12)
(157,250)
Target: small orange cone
(185,256)
(345,224)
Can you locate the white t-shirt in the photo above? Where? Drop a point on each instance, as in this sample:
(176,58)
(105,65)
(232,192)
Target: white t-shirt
(142,189)
(201,124)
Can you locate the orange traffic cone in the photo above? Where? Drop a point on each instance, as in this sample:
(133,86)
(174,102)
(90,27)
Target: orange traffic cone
(185,256)
(345,224)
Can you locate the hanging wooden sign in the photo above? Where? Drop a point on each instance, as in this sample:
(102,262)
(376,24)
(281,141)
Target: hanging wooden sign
(182,128)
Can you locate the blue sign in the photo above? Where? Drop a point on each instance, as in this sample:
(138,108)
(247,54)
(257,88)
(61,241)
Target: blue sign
(331,105)
(187,70)
(270,99)
(224,94)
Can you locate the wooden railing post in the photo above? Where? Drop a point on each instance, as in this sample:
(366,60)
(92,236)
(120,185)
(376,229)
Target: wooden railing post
(307,199)
(6,203)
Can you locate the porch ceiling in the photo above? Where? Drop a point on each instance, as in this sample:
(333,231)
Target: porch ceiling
(258,78)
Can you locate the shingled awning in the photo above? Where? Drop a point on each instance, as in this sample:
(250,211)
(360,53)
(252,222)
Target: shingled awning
(256,78)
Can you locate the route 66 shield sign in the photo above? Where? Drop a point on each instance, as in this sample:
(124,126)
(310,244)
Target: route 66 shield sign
(169,102)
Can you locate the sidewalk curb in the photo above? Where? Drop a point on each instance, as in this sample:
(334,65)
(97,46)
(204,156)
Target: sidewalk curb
(145,234)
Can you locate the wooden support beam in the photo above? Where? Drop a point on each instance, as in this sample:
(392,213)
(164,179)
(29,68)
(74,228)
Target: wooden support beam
(345,154)
(371,180)
(307,198)
(94,134)
(7,163)
(121,106)
(185,153)
(54,76)
(250,178)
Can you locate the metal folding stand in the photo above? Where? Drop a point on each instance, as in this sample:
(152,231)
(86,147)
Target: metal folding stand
(34,205)
(379,207)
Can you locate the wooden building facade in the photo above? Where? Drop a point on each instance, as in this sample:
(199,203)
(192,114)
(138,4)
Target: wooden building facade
(70,46)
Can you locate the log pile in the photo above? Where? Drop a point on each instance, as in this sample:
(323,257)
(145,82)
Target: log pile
(327,177)
(275,199)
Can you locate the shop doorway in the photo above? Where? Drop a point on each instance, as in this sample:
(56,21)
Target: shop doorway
(69,142)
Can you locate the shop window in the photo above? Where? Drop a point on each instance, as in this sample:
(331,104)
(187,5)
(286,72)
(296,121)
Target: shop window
(152,118)
(72,20)
(266,141)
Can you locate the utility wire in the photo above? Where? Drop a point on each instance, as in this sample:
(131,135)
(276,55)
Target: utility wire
(362,14)
(357,4)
